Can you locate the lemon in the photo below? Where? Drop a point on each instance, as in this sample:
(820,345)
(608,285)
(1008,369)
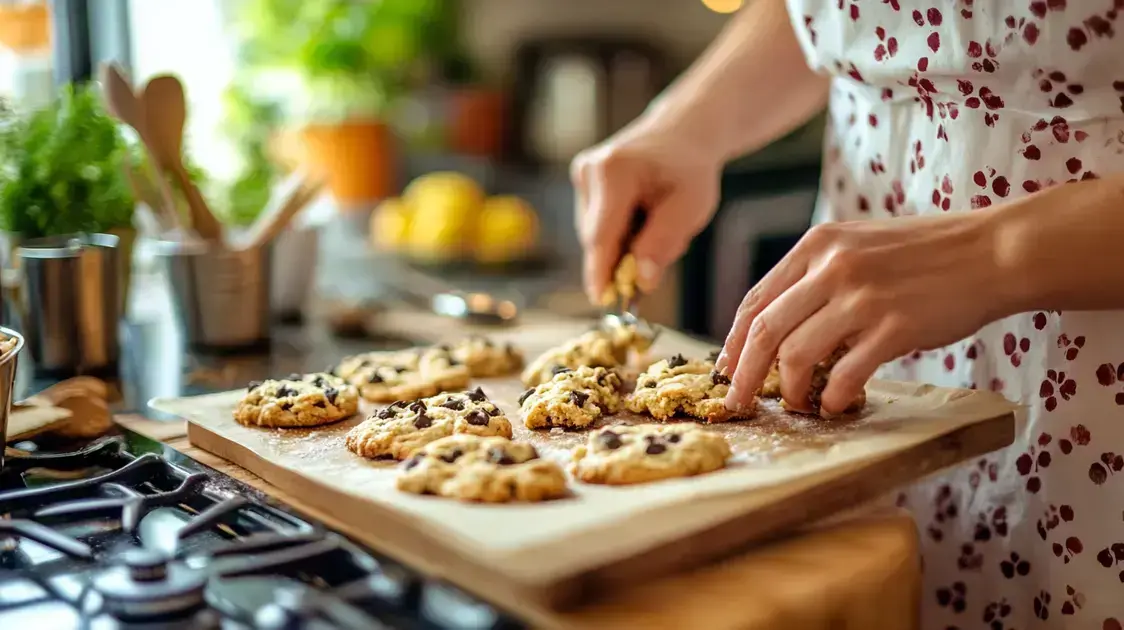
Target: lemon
(507,230)
(390,224)
(444,189)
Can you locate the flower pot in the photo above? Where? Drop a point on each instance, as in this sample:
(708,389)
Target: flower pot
(356,159)
(25,27)
(476,120)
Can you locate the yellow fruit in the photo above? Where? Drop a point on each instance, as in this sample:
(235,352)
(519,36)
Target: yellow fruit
(446,206)
(438,188)
(507,230)
(390,224)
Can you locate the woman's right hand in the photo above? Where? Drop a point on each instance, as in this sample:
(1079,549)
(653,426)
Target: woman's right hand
(652,164)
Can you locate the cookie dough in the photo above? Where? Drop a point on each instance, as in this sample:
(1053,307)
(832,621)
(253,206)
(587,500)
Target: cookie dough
(820,373)
(622,455)
(484,469)
(404,374)
(596,348)
(404,427)
(7,344)
(297,401)
(680,386)
(623,290)
(572,398)
(485,358)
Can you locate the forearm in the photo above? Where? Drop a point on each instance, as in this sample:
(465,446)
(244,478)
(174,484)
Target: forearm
(751,87)
(1063,249)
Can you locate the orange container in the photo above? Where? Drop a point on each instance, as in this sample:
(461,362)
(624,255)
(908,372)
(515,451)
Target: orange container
(476,118)
(356,159)
(25,27)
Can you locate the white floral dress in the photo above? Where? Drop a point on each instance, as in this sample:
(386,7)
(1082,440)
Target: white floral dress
(957,105)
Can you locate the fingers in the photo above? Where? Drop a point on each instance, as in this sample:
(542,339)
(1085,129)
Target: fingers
(850,374)
(612,194)
(765,333)
(784,275)
(812,342)
(667,234)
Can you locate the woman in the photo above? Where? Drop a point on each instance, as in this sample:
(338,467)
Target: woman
(976,239)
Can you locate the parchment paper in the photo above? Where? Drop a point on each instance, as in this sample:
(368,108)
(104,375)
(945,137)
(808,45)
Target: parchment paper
(775,453)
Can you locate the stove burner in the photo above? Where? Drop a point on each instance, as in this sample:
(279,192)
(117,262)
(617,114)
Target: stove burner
(145,585)
(270,603)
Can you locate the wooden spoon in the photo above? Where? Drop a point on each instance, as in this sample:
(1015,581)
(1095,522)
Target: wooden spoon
(124,105)
(295,193)
(166,112)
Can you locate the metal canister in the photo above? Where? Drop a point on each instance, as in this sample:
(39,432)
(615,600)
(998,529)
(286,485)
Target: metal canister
(71,303)
(221,296)
(8,361)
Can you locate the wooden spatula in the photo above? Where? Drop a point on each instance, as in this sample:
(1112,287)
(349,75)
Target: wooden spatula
(165,110)
(296,192)
(123,104)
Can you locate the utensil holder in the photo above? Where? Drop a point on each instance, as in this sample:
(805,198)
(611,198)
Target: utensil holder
(220,296)
(295,255)
(71,304)
(8,364)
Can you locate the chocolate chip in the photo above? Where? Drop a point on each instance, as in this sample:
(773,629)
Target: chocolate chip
(284,391)
(252,386)
(452,361)
(610,440)
(423,421)
(719,378)
(387,413)
(375,377)
(320,404)
(649,383)
(413,461)
(673,438)
(476,395)
(417,406)
(400,404)
(401,368)
(560,369)
(320,381)
(477,418)
(452,456)
(495,411)
(676,361)
(454,404)
(285,406)
(523,397)
(331,394)
(655,449)
(498,456)
(579,398)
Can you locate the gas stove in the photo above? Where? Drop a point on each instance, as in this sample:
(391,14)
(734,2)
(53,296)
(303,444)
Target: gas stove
(128,533)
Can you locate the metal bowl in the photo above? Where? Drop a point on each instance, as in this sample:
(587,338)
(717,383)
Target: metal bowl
(7,385)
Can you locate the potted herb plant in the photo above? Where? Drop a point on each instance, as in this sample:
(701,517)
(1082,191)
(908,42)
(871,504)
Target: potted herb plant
(339,66)
(62,171)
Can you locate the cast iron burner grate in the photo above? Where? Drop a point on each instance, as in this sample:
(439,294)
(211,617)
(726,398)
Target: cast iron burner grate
(129,534)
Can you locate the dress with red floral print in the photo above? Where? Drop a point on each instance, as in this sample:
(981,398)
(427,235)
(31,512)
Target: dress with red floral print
(955,107)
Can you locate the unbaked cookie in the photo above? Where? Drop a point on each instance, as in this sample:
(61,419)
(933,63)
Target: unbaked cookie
(485,358)
(607,348)
(404,427)
(820,373)
(621,455)
(679,386)
(485,469)
(572,398)
(297,401)
(622,291)
(404,374)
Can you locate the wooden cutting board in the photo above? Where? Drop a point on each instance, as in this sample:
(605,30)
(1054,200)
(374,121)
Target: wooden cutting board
(787,471)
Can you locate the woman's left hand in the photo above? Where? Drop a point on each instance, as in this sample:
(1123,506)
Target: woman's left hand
(883,288)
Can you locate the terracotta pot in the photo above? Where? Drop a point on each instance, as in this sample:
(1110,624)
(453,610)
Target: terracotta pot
(476,121)
(25,27)
(356,159)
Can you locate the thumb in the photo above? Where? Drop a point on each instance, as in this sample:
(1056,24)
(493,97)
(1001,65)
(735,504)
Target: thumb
(670,227)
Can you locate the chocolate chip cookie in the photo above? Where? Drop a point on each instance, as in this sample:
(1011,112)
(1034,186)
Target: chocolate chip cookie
(483,469)
(621,455)
(485,358)
(404,374)
(682,387)
(572,398)
(596,348)
(404,427)
(297,401)
(820,374)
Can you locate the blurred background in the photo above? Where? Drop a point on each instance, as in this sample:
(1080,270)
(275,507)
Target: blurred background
(432,137)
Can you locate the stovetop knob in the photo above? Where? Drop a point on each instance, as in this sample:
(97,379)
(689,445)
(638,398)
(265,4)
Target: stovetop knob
(145,565)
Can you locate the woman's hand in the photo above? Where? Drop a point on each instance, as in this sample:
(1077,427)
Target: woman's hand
(884,288)
(654,164)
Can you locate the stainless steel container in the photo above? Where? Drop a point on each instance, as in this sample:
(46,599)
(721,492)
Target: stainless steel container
(7,385)
(221,297)
(71,303)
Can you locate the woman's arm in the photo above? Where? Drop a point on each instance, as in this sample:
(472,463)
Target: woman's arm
(1063,248)
(751,87)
